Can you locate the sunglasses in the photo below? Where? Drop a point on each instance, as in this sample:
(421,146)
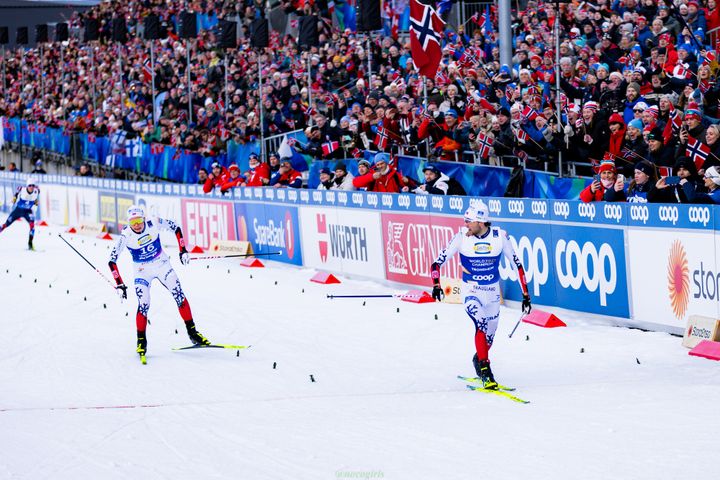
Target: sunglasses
(136,221)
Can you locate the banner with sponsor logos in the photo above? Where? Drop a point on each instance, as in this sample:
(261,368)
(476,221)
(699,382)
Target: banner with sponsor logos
(54,203)
(205,220)
(342,240)
(83,206)
(270,228)
(673,260)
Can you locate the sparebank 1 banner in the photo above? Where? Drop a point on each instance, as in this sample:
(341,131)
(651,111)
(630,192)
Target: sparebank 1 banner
(342,240)
(205,220)
(270,228)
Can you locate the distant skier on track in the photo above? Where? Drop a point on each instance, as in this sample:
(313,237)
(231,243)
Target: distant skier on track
(142,238)
(480,246)
(23,202)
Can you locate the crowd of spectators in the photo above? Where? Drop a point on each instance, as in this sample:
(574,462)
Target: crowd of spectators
(638,97)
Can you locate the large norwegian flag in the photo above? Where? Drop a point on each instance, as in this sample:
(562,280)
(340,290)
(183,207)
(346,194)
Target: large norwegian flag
(426,27)
(697,151)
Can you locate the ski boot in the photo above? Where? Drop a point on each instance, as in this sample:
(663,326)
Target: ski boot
(30,244)
(484,373)
(196,337)
(141,344)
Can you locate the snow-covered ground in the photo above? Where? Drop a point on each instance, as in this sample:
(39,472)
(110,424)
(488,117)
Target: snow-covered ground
(385,403)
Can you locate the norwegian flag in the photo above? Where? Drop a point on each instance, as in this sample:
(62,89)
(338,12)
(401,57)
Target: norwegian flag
(147,70)
(441,78)
(529,114)
(468,59)
(357,153)
(330,100)
(485,143)
(329,147)
(381,139)
(426,28)
(509,92)
(628,154)
(521,135)
(157,148)
(697,151)
(223,133)
(220,105)
(308,111)
(704,86)
(290,123)
(449,49)
(672,127)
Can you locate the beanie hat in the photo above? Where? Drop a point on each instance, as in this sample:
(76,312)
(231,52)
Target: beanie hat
(713,174)
(656,134)
(616,118)
(636,123)
(646,167)
(341,166)
(634,86)
(606,166)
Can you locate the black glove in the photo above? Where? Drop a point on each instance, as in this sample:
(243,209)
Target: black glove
(121,290)
(438,294)
(526,306)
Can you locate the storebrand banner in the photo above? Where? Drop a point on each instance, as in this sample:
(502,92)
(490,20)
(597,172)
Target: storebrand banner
(411,244)
(342,240)
(82,206)
(674,276)
(54,202)
(205,220)
(270,228)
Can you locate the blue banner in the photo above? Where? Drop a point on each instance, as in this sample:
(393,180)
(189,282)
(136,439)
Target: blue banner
(270,228)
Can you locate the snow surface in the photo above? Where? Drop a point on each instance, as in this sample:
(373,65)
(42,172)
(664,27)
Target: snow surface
(76,403)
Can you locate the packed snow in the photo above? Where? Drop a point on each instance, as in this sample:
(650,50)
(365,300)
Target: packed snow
(606,402)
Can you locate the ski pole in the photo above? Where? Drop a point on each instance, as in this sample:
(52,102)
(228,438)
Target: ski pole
(237,255)
(362,296)
(88,262)
(517,324)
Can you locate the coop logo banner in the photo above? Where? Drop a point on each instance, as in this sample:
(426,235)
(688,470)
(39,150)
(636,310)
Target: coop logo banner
(204,221)
(697,217)
(517,208)
(532,243)
(590,270)
(412,242)
(270,228)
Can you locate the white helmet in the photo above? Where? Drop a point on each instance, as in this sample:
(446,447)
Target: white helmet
(135,211)
(31,181)
(477,212)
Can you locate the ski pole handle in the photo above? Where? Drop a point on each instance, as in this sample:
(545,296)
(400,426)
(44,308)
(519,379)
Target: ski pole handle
(239,255)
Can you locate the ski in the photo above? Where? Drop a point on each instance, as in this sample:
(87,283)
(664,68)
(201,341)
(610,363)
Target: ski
(213,345)
(500,393)
(477,381)
(143,359)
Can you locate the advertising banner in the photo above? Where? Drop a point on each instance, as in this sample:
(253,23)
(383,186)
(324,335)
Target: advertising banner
(412,242)
(54,203)
(674,275)
(108,210)
(162,206)
(82,206)
(123,201)
(590,273)
(342,240)
(270,228)
(205,220)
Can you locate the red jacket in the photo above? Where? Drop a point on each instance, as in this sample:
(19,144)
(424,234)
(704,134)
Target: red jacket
(211,183)
(256,175)
(391,182)
(230,183)
(588,196)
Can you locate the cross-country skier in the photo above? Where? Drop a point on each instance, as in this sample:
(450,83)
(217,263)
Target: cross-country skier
(480,246)
(142,238)
(25,199)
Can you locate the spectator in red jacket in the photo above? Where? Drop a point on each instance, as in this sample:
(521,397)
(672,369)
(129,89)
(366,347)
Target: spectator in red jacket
(382,178)
(607,187)
(234,180)
(286,176)
(363,169)
(217,177)
(259,173)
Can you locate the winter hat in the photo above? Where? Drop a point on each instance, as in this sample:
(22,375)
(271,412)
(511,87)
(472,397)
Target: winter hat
(634,86)
(646,167)
(234,167)
(364,162)
(432,168)
(692,112)
(592,106)
(640,106)
(381,157)
(340,166)
(687,164)
(656,134)
(606,166)
(713,174)
(636,123)
(616,118)
(325,171)
(653,110)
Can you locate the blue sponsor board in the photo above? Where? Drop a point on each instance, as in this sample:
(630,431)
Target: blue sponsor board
(697,217)
(590,272)
(532,243)
(597,213)
(517,208)
(270,228)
